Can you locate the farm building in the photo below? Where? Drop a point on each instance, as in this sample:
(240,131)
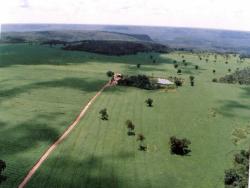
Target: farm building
(164,82)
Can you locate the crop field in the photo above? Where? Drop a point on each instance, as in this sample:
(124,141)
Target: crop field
(43,89)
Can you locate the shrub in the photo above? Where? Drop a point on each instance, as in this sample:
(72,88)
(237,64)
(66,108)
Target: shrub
(179,71)
(176,65)
(196,67)
(179,146)
(104,114)
(229,70)
(138,65)
(231,177)
(149,102)
(110,73)
(214,80)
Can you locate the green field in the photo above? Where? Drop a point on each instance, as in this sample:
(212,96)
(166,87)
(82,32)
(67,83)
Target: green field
(42,90)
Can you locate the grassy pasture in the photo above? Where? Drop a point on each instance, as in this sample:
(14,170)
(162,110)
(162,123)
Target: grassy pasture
(42,90)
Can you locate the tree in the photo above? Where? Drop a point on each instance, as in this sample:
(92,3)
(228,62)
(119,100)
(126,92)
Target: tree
(191,80)
(229,70)
(183,60)
(110,73)
(141,138)
(214,80)
(138,65)
(176,65)
(179,71)
(214,71)
(196,67)
(130,127)
(104,114)
(2,167)
(231,177)
(179,146)
(149,102)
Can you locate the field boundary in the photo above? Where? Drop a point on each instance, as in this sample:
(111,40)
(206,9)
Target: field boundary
(51,148)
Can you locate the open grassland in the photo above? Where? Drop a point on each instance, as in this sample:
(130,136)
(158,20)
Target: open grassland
(42,90)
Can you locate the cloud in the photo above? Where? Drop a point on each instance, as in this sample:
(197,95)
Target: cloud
(24,4)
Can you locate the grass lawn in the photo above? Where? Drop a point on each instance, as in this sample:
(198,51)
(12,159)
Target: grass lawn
(42,90)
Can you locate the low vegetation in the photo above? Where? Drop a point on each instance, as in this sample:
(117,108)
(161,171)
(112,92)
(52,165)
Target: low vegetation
(238,176)
(239,76)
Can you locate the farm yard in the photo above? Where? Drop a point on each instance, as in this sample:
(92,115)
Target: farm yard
(43,89)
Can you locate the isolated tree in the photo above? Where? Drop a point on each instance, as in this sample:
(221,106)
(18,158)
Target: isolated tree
(179,71)
(183,60)
(110,73)
(130,127)
(226,62)
(214,80)
(179,146)
(214,71)
(185,64)
(176,65)
(138,65)
(104,114)
(196,67)
(191,80)
(149,102)
(229,70)
(141,138)
(2,168)
(206,60)
(174,61)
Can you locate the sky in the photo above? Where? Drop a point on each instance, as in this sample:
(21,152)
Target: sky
(216,14)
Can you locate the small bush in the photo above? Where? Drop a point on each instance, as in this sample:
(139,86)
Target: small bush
(179,146)
(110,73)
(214,80)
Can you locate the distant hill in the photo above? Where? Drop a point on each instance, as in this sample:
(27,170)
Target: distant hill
(70,36)
(188,38)
(116,47)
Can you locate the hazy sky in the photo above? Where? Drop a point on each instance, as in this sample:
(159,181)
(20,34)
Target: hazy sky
(225,14)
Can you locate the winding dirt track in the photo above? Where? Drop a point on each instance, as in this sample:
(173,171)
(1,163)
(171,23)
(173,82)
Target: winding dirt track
(60,139)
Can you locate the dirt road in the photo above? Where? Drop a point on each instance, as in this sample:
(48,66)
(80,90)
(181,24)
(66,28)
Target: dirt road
(60,139)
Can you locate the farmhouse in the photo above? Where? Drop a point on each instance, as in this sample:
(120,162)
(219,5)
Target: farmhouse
(164,82)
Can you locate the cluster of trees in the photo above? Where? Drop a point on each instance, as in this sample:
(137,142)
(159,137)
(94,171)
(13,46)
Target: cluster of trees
(140,137)
(139,81)
(2,168)
(238,176)
(239,76)
(116,47)
(54,42)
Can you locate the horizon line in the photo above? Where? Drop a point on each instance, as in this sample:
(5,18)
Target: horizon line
(129,25)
